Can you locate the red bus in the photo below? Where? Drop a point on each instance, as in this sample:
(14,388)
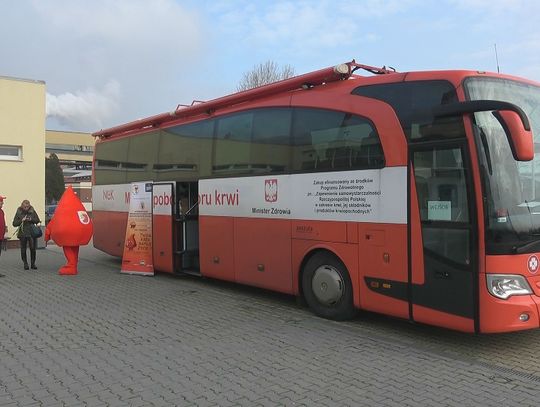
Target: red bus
(408,194)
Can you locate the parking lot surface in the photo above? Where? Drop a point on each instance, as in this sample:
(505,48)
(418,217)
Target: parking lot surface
(102,338)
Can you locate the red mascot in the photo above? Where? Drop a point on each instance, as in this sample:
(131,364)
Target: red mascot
(70,227)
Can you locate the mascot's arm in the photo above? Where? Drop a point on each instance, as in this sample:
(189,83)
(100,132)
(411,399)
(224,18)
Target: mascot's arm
(48,230)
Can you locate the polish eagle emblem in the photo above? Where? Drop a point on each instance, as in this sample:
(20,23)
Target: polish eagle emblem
(270,190)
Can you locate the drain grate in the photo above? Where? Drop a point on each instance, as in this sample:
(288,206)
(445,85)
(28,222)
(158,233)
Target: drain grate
(507,372)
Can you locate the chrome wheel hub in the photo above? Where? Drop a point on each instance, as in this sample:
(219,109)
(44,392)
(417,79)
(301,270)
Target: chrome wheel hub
(327,285)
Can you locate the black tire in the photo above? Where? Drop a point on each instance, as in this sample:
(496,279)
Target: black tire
(327,287)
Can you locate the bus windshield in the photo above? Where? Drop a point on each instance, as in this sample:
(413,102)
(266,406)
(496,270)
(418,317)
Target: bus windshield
(512,188)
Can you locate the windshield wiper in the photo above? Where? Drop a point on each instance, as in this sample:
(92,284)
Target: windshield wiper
(533,246)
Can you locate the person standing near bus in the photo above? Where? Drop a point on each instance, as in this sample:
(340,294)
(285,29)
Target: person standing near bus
(25,217)
(3,227)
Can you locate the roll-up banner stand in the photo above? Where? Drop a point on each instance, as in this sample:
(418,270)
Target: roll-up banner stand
(137,257)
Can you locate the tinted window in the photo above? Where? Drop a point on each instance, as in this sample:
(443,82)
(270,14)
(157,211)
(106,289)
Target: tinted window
(110,157)
(441,185)
(259,141)
(270,148)
(142,155)
(185,152)
(236,127)
(413,102)
(253,142)
(327,140)
(272,126)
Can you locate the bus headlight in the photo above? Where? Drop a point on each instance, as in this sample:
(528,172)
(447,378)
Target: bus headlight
(506,285)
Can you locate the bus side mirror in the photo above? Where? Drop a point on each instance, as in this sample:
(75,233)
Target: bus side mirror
(519,137)
(512,118)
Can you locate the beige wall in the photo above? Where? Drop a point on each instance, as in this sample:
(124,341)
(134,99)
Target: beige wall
(22,123)
(83,145)
(70,137)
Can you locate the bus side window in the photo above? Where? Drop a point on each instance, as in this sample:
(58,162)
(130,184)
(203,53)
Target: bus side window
(326,140)
(453,192)
(341,157)
(370,154)
(441,185)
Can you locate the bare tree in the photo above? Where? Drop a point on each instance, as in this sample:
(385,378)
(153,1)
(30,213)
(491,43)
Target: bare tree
(264,73)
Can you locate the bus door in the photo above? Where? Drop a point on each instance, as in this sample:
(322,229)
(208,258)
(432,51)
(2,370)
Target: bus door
(187,227)
(443,276)
(162,226)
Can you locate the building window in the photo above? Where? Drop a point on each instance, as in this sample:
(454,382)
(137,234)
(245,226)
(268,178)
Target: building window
(10,153)
(69,147)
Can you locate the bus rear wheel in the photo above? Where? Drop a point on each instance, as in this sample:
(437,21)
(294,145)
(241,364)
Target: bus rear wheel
(327,287)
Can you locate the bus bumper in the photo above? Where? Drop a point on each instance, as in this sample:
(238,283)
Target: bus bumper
(517,313)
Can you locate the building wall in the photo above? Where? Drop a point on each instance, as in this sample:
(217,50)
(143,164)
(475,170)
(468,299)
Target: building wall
(70,146)
(22,125)
(75,151)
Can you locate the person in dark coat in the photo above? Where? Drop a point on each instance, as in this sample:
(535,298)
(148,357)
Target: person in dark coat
(25,217)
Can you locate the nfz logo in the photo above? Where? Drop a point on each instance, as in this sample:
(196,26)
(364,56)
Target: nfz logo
(270,190)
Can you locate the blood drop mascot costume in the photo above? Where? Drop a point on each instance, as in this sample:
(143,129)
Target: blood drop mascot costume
(70,227)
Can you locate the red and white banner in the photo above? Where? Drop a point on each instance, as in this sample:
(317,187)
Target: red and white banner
(111,198)
(162,199)
(137,257)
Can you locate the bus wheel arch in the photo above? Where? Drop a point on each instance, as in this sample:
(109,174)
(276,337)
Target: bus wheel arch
(325,285)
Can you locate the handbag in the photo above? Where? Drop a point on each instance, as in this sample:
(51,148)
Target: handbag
(35,230)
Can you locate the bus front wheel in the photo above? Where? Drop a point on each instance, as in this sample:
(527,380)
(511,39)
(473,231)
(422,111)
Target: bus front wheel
(327,287)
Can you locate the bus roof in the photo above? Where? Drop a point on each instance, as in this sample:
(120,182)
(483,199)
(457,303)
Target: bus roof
(332,74)
(324,76)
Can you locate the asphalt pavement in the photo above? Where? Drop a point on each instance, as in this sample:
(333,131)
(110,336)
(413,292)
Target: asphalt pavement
(102,338)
